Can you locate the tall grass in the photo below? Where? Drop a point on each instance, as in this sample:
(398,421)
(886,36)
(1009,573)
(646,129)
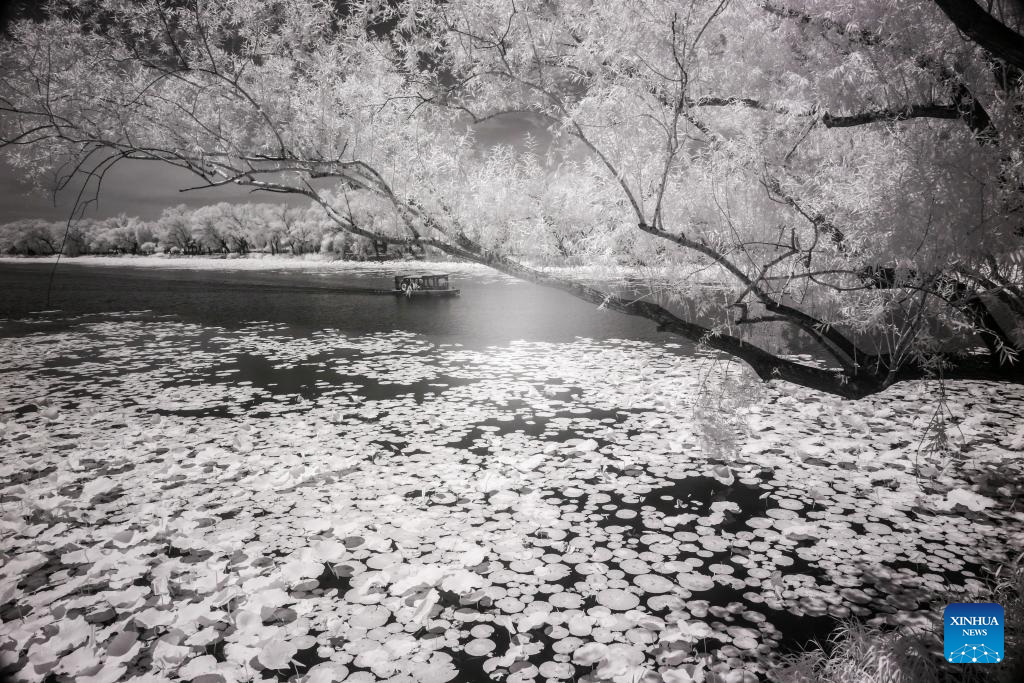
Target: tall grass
(861,653)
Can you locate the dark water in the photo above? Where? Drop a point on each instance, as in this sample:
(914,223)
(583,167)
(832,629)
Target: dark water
(489,311)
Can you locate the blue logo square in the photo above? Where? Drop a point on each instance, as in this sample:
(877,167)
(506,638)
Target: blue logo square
(972,633)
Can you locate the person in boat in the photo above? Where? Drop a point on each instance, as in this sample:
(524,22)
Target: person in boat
(409,285)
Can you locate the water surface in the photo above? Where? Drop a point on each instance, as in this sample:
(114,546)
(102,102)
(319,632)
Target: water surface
(491,310)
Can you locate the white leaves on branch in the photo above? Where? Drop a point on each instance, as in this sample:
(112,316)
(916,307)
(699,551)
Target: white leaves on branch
(550,134)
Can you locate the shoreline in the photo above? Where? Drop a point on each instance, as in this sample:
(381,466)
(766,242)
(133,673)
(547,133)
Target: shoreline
(240,263)
(314,263)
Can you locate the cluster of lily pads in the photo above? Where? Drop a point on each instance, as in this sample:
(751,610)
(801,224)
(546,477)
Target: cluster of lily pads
(182,502)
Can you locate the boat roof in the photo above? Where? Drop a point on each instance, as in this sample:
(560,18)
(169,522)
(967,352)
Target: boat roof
(423,275)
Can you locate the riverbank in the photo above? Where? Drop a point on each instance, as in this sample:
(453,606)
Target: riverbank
(255,262)
(317,263)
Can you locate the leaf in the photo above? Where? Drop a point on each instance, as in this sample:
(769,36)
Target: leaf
(530,621)
(590,654)
(108,673)
(473,556)
(325,672)
(152,617)
(801,532)
(329,551)
(277,653)
(462,581)
(77,661)
(123,645)
(687,632)
(969,499)
(420,575)
(425,604)
(299,570)
(200,666)
(203,637)
(96,487)
(723,474)
(242,443)
(168,656)
(1015,440)
(240,654)
(621,659)
(690,673)
(70,634)
(438,670)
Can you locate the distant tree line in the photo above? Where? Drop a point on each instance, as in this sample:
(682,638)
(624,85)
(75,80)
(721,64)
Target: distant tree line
(222,228)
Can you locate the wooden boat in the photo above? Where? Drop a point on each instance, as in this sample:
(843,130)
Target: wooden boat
(435,284)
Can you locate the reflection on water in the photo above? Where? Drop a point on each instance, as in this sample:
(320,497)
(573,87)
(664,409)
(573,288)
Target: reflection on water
(490,311)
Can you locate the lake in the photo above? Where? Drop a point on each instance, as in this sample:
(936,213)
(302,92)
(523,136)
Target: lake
(242,475)
(492,309)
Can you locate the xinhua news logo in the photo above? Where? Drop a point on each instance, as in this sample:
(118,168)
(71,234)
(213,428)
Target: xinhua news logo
(972,633)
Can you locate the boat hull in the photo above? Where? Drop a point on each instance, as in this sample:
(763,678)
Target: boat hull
(426,292)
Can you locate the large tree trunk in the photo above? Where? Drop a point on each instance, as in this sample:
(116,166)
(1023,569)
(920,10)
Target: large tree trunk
(766,365)
(1000,40)
(867,374)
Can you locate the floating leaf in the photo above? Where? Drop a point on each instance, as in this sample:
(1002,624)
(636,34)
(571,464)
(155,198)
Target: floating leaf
(277,653)
(200,666)
(166,655)
(969,499)
(97,487)
(616,599)
(590,654)
(723,474)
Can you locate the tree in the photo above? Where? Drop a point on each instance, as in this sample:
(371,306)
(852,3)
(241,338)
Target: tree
(210,228)
(996,28)
(853,172)
(30,237)
(305,231)
(176,230)
(121,234)
(276,221)
(242,224)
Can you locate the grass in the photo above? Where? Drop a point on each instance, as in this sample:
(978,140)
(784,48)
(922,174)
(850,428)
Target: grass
(861,653)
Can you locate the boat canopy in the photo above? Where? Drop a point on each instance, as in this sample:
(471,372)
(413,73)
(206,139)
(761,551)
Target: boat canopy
(422,281)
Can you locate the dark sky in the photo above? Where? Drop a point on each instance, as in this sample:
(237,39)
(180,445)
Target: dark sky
(145,188)
(137,188)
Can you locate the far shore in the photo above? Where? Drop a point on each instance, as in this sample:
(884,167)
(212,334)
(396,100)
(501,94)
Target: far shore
(317,262)
(249,262)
